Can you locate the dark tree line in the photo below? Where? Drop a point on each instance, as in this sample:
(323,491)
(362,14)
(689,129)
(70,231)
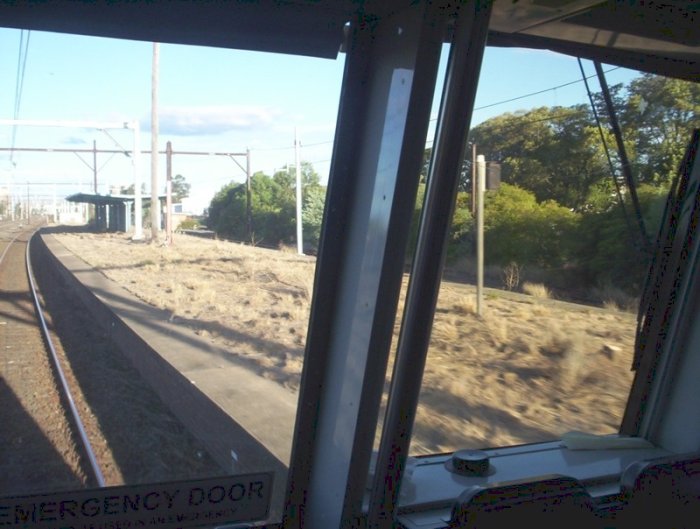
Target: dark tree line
(559,209)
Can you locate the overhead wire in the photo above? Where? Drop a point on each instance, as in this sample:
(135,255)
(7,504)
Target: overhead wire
(538,92)
(605,147)
(19,83)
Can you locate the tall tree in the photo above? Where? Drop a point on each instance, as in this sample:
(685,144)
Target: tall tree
(273,205)
(659,114)
(552,152)
(180,188)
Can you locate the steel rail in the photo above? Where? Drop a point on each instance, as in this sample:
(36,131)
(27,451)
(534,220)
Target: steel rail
(97,472)
(2,257)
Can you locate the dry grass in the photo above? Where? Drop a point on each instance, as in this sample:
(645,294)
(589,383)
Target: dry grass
(537,290)
(530,369)
(613,298)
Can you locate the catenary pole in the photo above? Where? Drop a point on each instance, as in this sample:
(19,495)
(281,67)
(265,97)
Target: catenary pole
(94,165)
(155,203)
(473,179)
(169,193)
(480,188)
(136,161)
(248,198)
(300,241)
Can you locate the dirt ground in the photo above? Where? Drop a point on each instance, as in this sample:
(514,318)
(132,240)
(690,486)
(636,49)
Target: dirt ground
(529,369)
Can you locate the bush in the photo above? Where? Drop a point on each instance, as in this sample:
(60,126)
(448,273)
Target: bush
(188,224)
(609,245)
(518,228)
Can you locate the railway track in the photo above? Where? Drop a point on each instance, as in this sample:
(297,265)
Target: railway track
(39,448)
(72,414)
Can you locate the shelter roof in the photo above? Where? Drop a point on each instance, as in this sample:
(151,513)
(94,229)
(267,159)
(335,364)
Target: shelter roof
(101,200)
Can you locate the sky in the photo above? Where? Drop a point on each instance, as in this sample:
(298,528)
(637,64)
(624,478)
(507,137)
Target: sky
(209,100)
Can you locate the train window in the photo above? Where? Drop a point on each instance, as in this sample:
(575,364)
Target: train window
(510,374)
(546,346)
(231,383)
(185,364)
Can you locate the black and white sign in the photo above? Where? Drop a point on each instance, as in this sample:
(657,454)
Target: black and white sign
(208,502)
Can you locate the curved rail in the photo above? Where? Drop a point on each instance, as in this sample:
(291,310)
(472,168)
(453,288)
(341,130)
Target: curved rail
(97,472)
(2,256)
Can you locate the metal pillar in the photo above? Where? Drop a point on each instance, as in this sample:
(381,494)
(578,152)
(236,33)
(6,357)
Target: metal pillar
(127,216)
(248,199)
(456,108)
(480,189)
(136,160)
(155,202)
(299,191)
(388,86)
(168,193)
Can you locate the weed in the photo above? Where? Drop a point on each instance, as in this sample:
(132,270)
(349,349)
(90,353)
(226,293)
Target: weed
(536,290)
(466,305)
(614,298)
(511,275)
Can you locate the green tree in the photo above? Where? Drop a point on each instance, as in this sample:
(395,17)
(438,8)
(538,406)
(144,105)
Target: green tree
(312,215)
(606,244)
(227,212)
(553,152)
(658,115)
(519,228)
(273,208)
(180,188)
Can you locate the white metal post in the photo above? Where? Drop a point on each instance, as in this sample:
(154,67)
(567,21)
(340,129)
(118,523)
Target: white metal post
(155,201)
(136,153)
(480,188)
(300,234)
(169,193)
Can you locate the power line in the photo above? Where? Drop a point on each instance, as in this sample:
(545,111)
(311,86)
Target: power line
(538,92)
(265,149)
(19,81)
(541,91)
(302,145)
(315,144)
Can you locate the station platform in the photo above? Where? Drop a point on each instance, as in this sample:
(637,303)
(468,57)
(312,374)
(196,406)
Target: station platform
(245,421)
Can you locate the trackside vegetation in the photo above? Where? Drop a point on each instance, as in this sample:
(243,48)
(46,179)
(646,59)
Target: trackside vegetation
(562,214)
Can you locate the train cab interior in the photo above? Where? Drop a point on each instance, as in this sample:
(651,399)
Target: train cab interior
(355,386)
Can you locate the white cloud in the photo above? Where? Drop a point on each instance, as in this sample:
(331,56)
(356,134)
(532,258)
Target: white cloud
(194,121)
(74,140)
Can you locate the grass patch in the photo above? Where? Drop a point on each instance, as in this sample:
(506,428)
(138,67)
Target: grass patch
(555,366)
(536,290)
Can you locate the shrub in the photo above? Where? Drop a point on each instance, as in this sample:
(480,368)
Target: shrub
(189,224)
(536,290)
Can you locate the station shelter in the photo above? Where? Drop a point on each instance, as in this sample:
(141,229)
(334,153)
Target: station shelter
(112,212)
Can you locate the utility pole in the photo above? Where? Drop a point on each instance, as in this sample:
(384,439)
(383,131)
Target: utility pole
(473,178)
(169,193)
(300,236)
(155,202)
(138,209)
(480,188)
(94,165)
(248,207)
